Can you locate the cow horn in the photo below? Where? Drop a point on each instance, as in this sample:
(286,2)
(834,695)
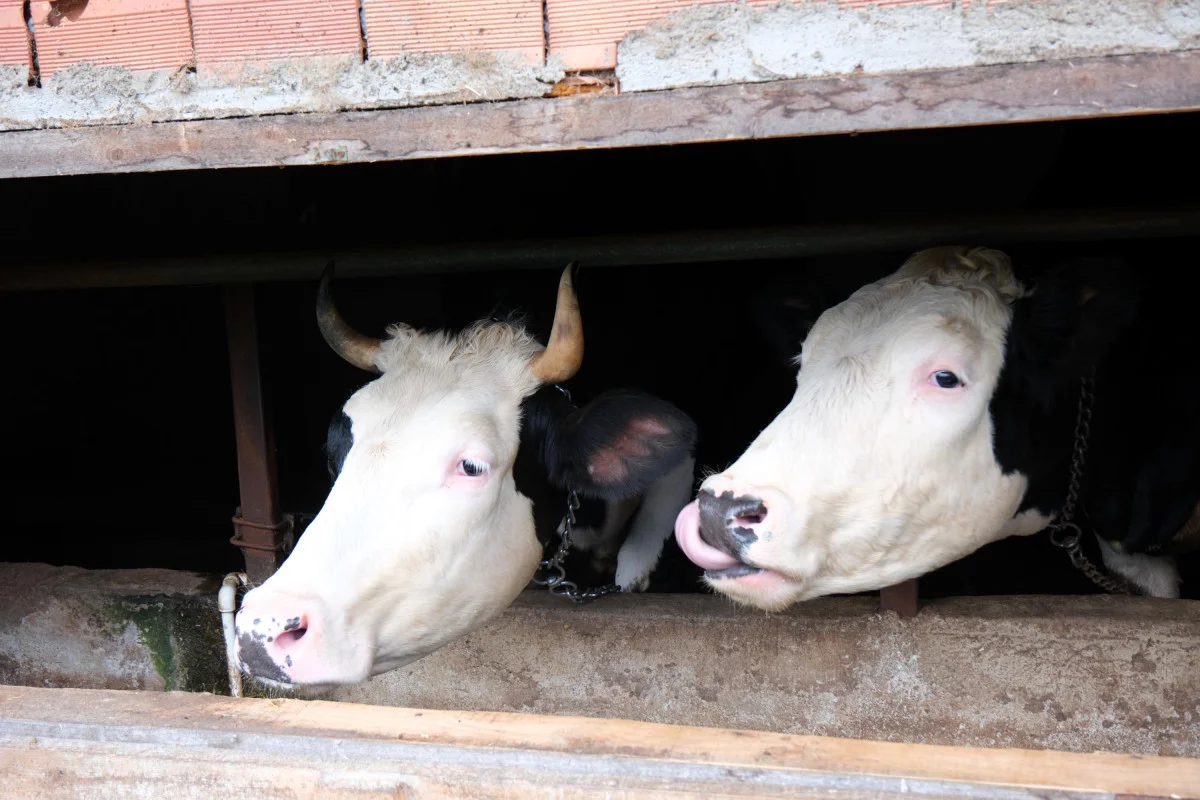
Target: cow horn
(348,343)
(564,352)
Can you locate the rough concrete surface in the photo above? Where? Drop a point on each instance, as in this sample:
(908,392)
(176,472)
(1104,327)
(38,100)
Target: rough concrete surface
(86,94)
(1067,673)
(716,44)
(110,629)
(1070,673)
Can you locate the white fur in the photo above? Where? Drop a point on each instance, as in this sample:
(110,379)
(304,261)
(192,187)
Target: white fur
(871,477)
(653,524)
(402,559)
(1157,576)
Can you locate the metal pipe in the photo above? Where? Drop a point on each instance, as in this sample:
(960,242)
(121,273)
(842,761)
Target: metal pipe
(260,530)
(227,603)
(700,246)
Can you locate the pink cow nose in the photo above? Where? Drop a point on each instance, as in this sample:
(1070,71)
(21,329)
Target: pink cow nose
(273,637)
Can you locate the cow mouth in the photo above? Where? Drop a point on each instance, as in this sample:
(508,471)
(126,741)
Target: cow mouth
(741,570)
(717,564)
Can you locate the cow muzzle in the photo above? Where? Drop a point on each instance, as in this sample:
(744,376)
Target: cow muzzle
(715,531)
(281,641)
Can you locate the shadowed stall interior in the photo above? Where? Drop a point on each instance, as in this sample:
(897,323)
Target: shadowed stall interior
(119,427)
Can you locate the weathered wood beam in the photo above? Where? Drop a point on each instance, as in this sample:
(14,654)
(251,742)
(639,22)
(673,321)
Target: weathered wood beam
(66,743)
(1048,90)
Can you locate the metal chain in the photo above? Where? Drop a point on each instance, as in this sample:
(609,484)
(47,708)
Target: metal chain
(553,575)
(1064,532)
(550,572)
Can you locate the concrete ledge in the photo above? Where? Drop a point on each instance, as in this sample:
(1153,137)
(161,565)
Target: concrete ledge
(1066,673)
(65,627)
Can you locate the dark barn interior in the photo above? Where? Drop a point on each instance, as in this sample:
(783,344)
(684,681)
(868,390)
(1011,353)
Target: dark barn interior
(120,438)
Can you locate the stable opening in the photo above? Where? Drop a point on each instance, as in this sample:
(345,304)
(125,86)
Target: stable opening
(119,406)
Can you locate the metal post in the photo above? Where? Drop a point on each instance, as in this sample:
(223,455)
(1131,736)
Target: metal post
(901,598)
(262,533)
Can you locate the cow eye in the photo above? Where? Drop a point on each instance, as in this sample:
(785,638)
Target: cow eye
(946,379)
(472,469)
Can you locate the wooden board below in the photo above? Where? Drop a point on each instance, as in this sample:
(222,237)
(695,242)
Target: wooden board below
(67,743)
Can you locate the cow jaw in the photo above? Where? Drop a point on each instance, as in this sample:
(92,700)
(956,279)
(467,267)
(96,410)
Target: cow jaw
(393,587)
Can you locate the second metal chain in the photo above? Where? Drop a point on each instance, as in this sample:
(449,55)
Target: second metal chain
(1064,532)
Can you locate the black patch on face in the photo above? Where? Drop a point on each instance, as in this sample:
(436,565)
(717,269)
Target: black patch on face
(292,624)
(1060,333)
(1141,479)
(338,441)
(257,662)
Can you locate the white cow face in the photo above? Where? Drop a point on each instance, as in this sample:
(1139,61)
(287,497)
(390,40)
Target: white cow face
(881,467)
(423,536)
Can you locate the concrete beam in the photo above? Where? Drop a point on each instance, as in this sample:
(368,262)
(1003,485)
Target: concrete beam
(1066,673)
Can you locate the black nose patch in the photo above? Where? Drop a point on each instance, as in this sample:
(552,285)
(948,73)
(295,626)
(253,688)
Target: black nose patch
(724,520)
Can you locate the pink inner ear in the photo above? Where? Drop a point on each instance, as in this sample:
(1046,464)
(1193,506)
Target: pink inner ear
(647,427)
(607,465)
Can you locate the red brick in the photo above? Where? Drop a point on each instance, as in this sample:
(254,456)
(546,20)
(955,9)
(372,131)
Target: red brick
(136,34)
(448,26)
(264,30)
(14,36)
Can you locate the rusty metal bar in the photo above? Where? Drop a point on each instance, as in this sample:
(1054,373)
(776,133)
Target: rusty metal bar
(901,598)
(260,530)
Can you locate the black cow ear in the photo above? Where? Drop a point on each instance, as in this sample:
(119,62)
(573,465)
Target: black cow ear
(1065,328)
(785,310)
(619,444)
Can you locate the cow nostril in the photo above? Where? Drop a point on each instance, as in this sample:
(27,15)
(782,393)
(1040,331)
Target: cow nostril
(289,639)
(752,518)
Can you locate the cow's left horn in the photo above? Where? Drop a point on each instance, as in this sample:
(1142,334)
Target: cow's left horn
(564,353)
(348,343)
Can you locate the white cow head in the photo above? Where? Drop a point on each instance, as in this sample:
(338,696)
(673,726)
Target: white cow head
(883,465)
(423,536)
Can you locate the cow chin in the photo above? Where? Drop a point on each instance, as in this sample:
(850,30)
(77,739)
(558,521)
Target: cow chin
(765,589)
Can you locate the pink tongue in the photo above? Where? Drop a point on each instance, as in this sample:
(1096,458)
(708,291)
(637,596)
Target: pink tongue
(687,533)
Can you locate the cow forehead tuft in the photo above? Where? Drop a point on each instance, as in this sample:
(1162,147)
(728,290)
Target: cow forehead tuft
(964,268)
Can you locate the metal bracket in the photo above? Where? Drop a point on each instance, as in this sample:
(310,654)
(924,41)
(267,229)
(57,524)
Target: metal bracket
(284,531)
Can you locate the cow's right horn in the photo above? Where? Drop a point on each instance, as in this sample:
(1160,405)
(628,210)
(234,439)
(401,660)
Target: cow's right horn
(564,352)
(348,343)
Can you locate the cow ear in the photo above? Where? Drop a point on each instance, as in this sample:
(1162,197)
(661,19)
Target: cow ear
(621,443)
(1068,324)
(784,312)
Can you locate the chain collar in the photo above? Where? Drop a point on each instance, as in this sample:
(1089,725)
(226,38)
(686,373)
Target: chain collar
(1064,532)
(550,572)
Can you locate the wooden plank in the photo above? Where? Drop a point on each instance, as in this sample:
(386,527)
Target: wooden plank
(58,738)
(1058,90)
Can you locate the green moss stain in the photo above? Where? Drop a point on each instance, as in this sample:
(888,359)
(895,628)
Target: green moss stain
(183,635)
